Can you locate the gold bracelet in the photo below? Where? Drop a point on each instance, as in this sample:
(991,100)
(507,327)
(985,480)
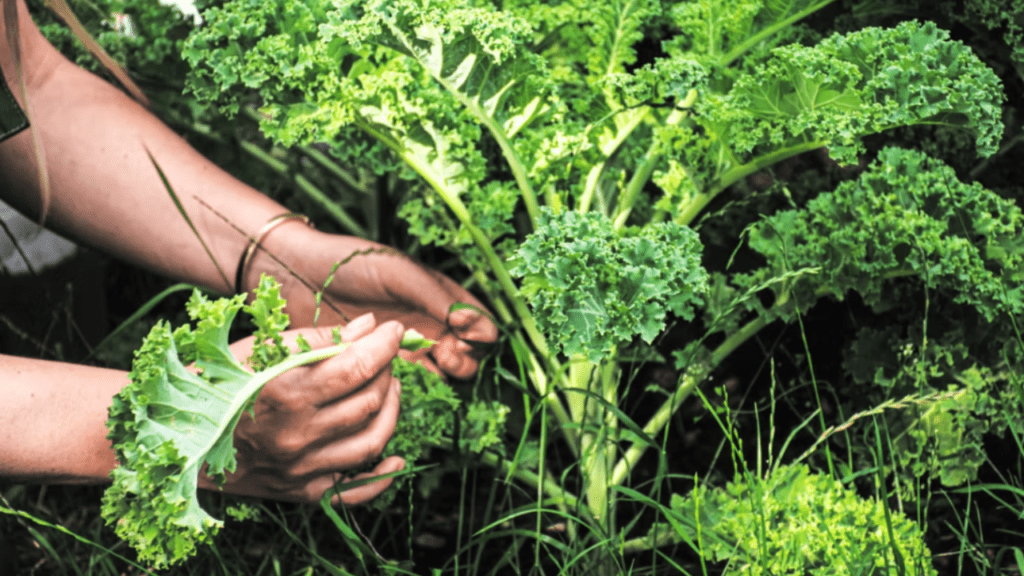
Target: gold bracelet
(254,243)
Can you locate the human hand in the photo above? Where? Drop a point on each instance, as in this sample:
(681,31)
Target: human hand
(379,280)
(313,422)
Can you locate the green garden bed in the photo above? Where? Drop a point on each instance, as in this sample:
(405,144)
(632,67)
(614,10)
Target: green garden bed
(756,266)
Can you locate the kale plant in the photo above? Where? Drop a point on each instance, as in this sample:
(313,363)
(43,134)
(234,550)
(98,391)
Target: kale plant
(795,522)
(575,176)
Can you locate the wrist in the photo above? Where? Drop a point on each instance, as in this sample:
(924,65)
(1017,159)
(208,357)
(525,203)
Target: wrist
(255,243)
(279,249)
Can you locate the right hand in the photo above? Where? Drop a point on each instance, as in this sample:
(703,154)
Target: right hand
(314,422)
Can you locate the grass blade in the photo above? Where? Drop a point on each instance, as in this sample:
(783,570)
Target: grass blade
(142,311)
(181,209)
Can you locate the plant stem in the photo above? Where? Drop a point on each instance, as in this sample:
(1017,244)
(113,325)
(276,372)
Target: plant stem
(660,418)
(551,489)
(609,150)
(336,211)
(690,210)
(456,205)
(643,172)
(764,34)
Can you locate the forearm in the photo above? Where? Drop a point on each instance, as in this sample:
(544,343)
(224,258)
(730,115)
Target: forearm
(52,425)
(105,191)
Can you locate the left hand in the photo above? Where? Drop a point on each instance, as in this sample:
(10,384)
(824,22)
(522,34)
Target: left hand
(384,282)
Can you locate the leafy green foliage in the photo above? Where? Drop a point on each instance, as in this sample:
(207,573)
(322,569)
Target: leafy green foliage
(866,82)
(270,320)
(593,290)
(1005,15)
(907,216)
(150,39)
(944,439)
(166,424)
(796,522)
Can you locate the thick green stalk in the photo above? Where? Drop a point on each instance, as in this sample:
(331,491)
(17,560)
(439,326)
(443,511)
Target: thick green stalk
(336,211)
(551,488)
(646,168)
(332,167)
(479,238)
(514,162)
(692,379)
(609,150)
(690,382)
(767,32)
(689,211)
(526,320)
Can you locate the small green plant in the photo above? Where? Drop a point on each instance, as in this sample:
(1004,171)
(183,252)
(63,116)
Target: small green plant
(795,522)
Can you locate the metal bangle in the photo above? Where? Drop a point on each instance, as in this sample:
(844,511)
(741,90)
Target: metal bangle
(254,243)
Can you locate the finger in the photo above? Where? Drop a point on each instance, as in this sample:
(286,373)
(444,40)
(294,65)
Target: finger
(358,327)
(359,448)
(367,492)
(339,376)
(426,290)
(323,336)
(422,358)
(455,357)
(355,413)
(472,325)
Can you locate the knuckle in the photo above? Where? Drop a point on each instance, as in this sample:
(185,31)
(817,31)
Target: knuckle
(361,368)
(372,403)
(298,473)
(311,494)
(375,447)
(289,444)
(281,397)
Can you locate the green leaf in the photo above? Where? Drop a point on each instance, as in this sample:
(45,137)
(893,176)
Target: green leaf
(865,82)
(592,290)
(170,421)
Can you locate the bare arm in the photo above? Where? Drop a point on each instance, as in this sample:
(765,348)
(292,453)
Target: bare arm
(51,431)
(311,423)
(105,191)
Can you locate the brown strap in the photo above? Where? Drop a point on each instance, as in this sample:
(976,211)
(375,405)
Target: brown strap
(14,45)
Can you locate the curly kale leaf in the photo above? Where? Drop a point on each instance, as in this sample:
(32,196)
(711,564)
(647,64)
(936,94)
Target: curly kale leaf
(906,216)
(428,410)
(145,37)
(717,32)
(944,438)
(795,522)
(851,85)
(424,82)
(166,424)
(427,419)
(592,289)
(170,421)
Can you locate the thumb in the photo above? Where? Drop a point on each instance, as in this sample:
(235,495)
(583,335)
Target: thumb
(323,336)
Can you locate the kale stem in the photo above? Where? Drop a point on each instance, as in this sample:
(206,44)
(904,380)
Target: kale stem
(767,32)
(689,211)
(643,173)
(609,150)
(250,390)
(562,498)
(316,194)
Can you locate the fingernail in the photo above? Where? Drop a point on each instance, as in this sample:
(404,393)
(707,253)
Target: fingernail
(399,329)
